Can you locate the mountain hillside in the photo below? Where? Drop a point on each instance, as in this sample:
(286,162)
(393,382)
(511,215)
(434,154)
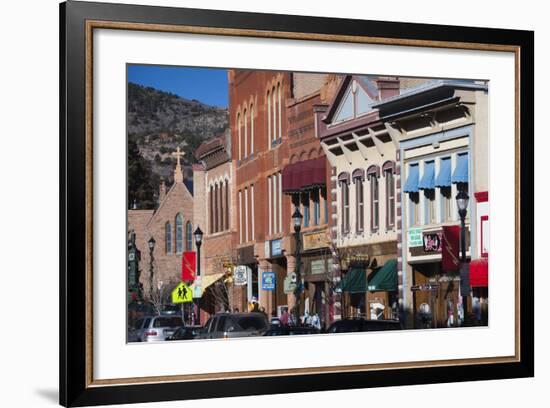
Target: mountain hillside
(160,121)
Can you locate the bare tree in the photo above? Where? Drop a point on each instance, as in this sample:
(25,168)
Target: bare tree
(159,294)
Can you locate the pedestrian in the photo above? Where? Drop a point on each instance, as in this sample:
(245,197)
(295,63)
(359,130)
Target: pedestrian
(284,317)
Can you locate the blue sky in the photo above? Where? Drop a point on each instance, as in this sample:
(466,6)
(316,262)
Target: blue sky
(208,85)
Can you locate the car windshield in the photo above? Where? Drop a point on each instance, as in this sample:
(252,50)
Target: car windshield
(249,323)
(168,322)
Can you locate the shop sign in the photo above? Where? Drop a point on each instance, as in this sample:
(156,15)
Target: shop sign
(432,242)
(289,284)
(315,240)
(276,247)
(425,287)
(240,275)
(267,249)
(318,266)
(268,280)
(415,237)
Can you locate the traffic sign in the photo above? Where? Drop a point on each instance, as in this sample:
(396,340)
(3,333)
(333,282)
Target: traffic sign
(182,294)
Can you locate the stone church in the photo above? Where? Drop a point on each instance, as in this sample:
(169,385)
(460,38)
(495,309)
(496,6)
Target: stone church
(171,227)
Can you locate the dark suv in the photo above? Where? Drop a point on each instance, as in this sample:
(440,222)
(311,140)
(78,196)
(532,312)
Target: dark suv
(362,325)
(230,325)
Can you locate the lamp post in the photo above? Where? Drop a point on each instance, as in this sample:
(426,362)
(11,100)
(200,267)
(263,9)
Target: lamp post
(297,222)
(462,199)
(198,242)
(151,244)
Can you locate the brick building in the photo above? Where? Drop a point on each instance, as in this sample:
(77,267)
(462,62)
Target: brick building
(305,181)
(258,127)
(171,226)
(213,181)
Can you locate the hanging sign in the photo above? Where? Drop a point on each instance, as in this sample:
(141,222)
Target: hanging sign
(432,241)
(240,275)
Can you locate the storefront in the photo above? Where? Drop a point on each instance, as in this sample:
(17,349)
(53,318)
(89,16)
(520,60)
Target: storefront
(249,289)
(434,260)
(274,276)
(369,288)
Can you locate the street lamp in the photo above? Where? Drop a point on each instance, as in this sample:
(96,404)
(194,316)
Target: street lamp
(297,222)
(462,199)
(198,242)
(151,244)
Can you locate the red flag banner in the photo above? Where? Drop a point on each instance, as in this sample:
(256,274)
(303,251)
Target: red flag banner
(450,251)
(188,266)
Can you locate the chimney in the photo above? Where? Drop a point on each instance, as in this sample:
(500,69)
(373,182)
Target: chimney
(387,87)
(162,191)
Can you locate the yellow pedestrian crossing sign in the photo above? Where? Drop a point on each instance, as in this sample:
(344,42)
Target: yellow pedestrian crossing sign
(182,294)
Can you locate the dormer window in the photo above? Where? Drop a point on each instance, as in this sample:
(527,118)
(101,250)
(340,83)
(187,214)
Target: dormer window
(355,102)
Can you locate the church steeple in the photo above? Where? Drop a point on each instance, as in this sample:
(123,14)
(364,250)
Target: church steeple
(178,173)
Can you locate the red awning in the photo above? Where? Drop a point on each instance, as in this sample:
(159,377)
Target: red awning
(305,174)
(479,273)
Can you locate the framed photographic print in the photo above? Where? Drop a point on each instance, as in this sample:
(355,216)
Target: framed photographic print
(255,204)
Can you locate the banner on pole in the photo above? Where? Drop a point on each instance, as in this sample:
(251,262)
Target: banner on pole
(188,266)
(450,251)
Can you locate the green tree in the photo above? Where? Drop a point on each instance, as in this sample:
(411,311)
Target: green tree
(140,179)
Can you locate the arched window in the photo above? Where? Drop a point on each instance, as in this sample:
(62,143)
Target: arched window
(343,180)
(167,237)
(239,134)
(274,95)
(389,170)
(358,176)
(251,129)
(268,120)
(188,236)
(179,234)
(279,110)
(226,204)
(245,155)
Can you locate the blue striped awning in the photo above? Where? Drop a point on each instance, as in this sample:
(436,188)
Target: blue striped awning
(443,178)
(411,186)
(460,174)
(428,178)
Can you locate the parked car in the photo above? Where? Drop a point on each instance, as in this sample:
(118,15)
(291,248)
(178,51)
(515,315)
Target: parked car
(154,328)
(171,310)
(230,325)
(291,330)
(362,325)
(185,333)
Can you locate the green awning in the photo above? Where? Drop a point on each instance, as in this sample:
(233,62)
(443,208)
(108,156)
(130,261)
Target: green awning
(354,281)
(385,278)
